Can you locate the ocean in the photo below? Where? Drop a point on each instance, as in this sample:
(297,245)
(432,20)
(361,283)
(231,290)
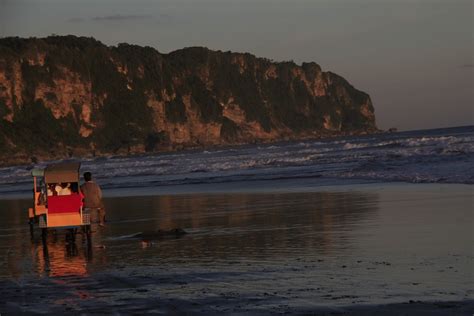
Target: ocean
(426,156)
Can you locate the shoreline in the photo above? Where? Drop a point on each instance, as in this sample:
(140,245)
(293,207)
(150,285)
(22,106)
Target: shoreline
(440,157)
(280,186)
(24,159)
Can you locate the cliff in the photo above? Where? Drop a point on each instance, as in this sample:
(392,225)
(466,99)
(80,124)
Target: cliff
(64,96)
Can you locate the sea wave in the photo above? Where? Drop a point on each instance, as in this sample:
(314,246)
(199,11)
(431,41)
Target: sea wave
(425,156)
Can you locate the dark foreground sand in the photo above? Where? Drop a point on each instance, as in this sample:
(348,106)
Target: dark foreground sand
(375,250)
(70,295)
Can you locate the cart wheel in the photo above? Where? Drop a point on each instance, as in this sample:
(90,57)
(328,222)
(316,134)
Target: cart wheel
(88,234)
(44,234)
(71,236)
(32,228)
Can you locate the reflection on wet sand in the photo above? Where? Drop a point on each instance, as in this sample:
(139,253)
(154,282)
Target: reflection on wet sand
(252,226)
(248,225)
(59,259)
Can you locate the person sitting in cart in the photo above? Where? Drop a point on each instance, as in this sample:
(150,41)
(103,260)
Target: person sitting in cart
(65,189)
(43,192)
(58,188)
(50,190)
(93,197)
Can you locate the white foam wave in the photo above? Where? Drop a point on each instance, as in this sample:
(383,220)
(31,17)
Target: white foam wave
(408,157)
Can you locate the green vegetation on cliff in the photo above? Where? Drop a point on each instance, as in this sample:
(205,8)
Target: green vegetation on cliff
(61,93)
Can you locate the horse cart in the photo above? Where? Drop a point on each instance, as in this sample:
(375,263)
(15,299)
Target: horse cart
(58,200)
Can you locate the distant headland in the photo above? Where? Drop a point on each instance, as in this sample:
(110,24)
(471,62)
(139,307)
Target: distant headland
(68,96)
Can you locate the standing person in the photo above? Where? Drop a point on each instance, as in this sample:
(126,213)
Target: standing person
(93,197)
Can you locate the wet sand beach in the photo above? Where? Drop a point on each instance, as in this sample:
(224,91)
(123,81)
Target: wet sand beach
(337,250)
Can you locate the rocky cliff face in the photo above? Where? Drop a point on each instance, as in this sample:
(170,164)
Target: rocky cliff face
(66,95)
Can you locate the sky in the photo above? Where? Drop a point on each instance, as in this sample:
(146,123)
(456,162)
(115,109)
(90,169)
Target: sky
(413,57)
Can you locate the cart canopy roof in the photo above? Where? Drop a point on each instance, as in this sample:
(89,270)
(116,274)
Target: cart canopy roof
(62,172)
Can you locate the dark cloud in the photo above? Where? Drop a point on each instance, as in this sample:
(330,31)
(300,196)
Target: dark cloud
(120,17)
(467,66)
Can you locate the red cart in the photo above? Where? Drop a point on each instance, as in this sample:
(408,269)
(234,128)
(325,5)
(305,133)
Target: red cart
(58,200)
